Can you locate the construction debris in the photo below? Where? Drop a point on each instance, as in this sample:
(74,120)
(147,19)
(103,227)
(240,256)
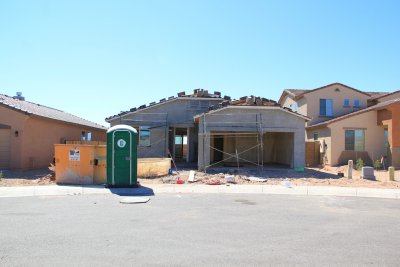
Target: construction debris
(256,179)
(192,177)
(287,184)
(230,179)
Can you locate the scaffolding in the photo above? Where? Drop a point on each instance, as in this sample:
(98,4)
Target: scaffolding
(250,126)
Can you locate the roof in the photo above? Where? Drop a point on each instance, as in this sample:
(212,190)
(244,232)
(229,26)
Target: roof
(375,107)
(298,93)
(30,108)
(199,94)
(250,102)
(377,96)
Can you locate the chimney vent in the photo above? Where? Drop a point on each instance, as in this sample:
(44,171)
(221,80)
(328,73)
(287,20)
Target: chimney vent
(19,96)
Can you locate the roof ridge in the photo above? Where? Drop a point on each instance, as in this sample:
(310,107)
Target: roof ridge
(197,93)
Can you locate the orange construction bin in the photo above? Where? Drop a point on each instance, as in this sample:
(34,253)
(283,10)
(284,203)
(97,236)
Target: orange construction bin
(80,164)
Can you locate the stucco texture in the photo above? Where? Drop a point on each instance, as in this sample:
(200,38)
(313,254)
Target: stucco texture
(33,138)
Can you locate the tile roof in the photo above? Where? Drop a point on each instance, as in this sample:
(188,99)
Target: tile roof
(375,107)
(43,111)
(251,101)
(197,93)
(382,94)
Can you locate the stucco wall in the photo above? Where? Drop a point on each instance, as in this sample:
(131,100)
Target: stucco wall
(34,145)
(16,120)
(324,137)
(41,134)
(394,134)
(313,98)
(374,135)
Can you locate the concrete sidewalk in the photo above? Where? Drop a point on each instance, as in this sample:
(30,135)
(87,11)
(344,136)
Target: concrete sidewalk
(148,190)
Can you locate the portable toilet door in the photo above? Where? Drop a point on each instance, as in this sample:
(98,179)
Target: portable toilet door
(122,156)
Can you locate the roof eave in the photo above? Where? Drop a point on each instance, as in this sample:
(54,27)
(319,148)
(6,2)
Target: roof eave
(71,123)
(161,103)
(255,107)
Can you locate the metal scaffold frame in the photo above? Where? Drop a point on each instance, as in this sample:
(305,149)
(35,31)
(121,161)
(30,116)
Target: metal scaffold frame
(258,133)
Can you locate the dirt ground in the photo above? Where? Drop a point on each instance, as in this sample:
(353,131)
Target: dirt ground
(286,177)
(24,178)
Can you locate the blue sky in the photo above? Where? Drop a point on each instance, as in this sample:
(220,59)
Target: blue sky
(96,58)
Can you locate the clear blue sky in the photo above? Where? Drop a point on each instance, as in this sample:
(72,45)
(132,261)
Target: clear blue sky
(96,58)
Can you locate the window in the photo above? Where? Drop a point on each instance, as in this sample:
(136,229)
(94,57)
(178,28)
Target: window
(316,136)
(355,140)
(144,136)
(295,107)
(356,103)
(83,136)
(89,136)
(326,107)
(346,103)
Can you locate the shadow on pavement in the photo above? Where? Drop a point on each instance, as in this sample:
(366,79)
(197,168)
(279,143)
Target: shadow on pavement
(139,191)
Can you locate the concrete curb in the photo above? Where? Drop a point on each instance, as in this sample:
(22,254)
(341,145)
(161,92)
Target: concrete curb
(55,190)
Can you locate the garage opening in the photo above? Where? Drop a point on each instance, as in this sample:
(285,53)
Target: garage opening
(249,149)
(5,147)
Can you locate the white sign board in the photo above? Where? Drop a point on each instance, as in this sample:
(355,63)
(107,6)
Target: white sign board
(74,155)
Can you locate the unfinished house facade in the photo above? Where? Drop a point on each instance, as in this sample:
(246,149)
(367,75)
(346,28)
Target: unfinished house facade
(168,126)
(349,124)
(253,132)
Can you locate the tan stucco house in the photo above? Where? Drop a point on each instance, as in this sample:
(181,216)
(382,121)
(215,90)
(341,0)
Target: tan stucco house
(28,132)
(349,123)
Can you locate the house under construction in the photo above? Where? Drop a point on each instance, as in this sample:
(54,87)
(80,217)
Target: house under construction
(251,131)
(215,131)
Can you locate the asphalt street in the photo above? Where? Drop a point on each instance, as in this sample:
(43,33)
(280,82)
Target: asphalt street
(199,230)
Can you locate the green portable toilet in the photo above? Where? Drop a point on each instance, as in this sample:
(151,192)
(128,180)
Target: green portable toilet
(122,156)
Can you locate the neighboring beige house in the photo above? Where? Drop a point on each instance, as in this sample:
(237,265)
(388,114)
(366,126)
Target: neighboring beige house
(349,123)
(28,132)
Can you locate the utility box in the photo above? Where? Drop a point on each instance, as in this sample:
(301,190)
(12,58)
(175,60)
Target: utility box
(122,156)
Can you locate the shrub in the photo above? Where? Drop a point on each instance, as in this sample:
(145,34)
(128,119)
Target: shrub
(360,164)
(377,164)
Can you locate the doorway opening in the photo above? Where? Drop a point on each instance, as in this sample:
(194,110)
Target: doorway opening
(181,144)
